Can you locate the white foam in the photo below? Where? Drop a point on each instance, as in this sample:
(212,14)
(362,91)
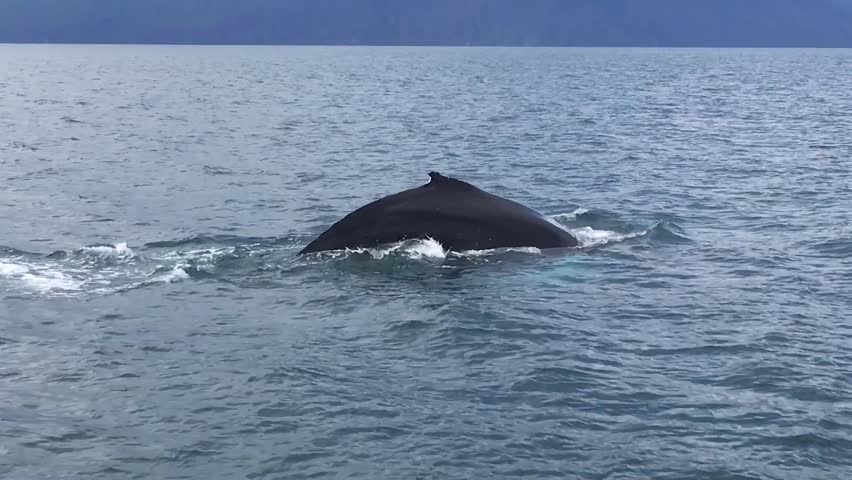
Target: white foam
(377,253)
(589,237)
(102,269)
(41,278)
(12,269)
(429,248)
(177,274)
(423,249)
(569,216)
(414,249)
(49,280)
(202,255)
(118,250)
(483,253)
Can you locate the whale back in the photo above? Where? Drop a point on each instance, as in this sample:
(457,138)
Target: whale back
(455,213)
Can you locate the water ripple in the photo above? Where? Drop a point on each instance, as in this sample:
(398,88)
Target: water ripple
(156,322)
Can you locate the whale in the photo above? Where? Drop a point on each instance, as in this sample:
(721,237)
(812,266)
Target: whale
(455,213)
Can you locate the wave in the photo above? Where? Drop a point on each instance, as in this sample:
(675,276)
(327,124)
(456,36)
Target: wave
(118,267)
(12,252)
(567,217)
(195,240)
(589,237)
(118,249)
(413,249)
(230,240)
(594,217)
(837,248)
(11,269)
(176,274)
(592,234)
(432,249)
(110,268)
(660,232)
(495,251)
(40,278)
(96,269)
(96,254)
(594,228)
(667,232)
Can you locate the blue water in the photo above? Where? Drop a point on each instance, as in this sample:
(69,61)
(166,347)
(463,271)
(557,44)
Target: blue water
(156,323)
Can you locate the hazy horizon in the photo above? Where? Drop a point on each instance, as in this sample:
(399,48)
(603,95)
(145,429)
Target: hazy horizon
(547,23)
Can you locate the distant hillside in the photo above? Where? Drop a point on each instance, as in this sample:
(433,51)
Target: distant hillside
(772,23)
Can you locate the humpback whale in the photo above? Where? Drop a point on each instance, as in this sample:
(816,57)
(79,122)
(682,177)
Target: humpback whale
(455,213)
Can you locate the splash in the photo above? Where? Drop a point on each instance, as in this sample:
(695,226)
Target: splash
(11,270)
(413,249)
(176,274)
(200,256)
(99,269)
(495,251)
(429,248)
(47,281)
(589,237)
(41,278)
(118,250)
(567,217)
(108,269)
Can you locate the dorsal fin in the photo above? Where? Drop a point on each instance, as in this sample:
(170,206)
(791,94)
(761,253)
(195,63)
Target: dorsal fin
(439,180)
(437,177)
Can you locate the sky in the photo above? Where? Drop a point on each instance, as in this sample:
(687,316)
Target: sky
(706,23)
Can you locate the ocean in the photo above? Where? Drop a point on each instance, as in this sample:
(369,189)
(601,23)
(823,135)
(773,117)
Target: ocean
(156,322)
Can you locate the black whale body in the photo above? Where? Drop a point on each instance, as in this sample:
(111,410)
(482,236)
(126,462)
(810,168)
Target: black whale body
(455,213)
